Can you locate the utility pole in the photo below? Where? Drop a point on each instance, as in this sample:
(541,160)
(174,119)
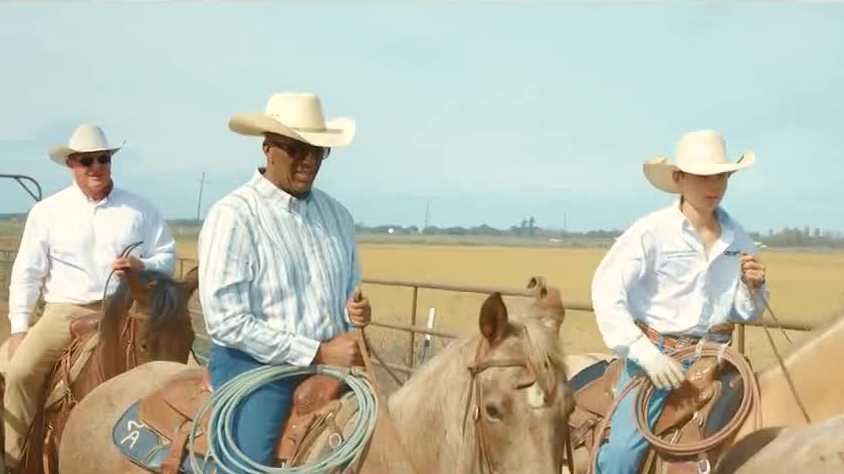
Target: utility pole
(199,199)
(427,215)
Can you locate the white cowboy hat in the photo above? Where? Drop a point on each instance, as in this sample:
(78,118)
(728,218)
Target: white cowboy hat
(298,116)
(701,153)
(86,138)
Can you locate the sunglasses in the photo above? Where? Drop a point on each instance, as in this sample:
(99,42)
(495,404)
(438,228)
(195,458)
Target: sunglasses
(87,161)
(300,151)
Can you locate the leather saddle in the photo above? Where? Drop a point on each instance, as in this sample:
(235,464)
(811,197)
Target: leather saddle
(700,407)
(317,423)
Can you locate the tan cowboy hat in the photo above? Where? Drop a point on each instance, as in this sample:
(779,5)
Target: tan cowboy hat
(85,139)
(298,116)
(702,153)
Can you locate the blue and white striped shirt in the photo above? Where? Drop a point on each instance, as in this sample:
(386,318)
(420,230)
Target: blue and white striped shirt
(276,272)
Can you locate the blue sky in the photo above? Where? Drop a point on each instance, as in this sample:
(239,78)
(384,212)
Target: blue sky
(489,111)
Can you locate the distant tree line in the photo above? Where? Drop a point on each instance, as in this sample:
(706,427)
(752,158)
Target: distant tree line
(528,228)
(797,237)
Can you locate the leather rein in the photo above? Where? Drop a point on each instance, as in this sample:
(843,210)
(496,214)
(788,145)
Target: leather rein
(476,395)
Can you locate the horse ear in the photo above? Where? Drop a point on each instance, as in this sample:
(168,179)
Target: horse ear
(493,319)
(548,303)
(191,280)
(538,285)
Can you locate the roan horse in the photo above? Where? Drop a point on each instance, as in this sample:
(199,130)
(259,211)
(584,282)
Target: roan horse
(146,319)
(814,366)
(495,402)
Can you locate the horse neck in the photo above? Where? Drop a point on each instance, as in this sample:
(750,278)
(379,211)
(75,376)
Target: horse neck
(111,353)
(428,410)
(815,367)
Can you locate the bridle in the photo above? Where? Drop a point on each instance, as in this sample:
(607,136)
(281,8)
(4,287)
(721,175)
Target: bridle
(475,398)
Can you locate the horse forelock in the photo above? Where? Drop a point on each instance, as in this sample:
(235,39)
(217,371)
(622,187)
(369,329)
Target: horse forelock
(544,353)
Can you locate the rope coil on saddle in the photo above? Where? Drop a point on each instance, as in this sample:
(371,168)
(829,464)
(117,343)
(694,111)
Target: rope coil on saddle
(225,399)
(750,401)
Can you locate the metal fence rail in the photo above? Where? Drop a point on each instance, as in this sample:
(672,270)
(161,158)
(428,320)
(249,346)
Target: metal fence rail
(185,264)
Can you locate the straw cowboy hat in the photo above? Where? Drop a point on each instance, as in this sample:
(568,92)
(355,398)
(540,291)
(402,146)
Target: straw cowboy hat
(297,116)
(701,153)
(86,138)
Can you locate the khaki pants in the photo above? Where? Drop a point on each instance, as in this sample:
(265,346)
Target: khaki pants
(28,370)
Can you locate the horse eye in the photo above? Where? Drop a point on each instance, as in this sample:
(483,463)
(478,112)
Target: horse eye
(493,412)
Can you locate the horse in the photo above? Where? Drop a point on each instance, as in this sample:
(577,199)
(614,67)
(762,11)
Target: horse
(147,318)
(520,410)
(812,365)
(815,448)
(492,402)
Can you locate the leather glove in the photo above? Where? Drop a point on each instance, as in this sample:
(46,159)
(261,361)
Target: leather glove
(664,371)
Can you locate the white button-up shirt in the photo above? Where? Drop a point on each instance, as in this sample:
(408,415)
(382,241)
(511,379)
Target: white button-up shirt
(658,273)
(276,272)
(70,241)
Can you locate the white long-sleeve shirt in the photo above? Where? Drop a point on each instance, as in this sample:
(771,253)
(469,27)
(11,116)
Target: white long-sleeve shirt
(658,273)
(70,241)
(276,272)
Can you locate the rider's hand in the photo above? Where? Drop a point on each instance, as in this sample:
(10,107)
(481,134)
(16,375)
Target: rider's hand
(664,371)
(123,264)
(12,343)
(360,312)
(752,271)
(341,351)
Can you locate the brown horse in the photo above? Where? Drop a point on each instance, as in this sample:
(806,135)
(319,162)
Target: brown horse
(495,402)
(814,367)
(518,410)
(146,319)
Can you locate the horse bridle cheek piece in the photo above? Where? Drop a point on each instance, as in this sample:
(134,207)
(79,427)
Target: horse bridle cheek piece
(475,393)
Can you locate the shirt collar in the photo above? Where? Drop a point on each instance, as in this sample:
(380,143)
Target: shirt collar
(271,192)
(82,197)
(686,228)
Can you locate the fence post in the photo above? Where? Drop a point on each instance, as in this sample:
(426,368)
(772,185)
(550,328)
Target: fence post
(413,323)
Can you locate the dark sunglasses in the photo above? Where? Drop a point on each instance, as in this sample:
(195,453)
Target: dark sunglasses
(87,161)
(300,151)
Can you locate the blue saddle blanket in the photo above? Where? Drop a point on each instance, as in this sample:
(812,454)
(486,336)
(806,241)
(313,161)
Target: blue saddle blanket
(145,447)
(732,391)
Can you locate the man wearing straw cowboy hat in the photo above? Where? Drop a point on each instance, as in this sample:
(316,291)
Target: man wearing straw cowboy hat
(676,275)
(69,246)
(279,266)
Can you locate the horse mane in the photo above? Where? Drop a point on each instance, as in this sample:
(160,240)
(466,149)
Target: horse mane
(166,299)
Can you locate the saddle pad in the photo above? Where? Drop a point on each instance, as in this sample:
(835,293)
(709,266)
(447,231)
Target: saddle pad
(145,447)
(587,375)
(726,406)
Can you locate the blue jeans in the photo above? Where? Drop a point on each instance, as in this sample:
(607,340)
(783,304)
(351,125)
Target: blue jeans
(623,452)
(259,418)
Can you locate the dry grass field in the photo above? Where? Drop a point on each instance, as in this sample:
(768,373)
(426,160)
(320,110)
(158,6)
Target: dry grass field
(805,286)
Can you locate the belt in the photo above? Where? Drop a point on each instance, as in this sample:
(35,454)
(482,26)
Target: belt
(721,333)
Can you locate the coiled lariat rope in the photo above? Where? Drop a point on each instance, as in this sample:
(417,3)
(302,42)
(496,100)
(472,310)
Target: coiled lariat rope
(224,400)
(645,390)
